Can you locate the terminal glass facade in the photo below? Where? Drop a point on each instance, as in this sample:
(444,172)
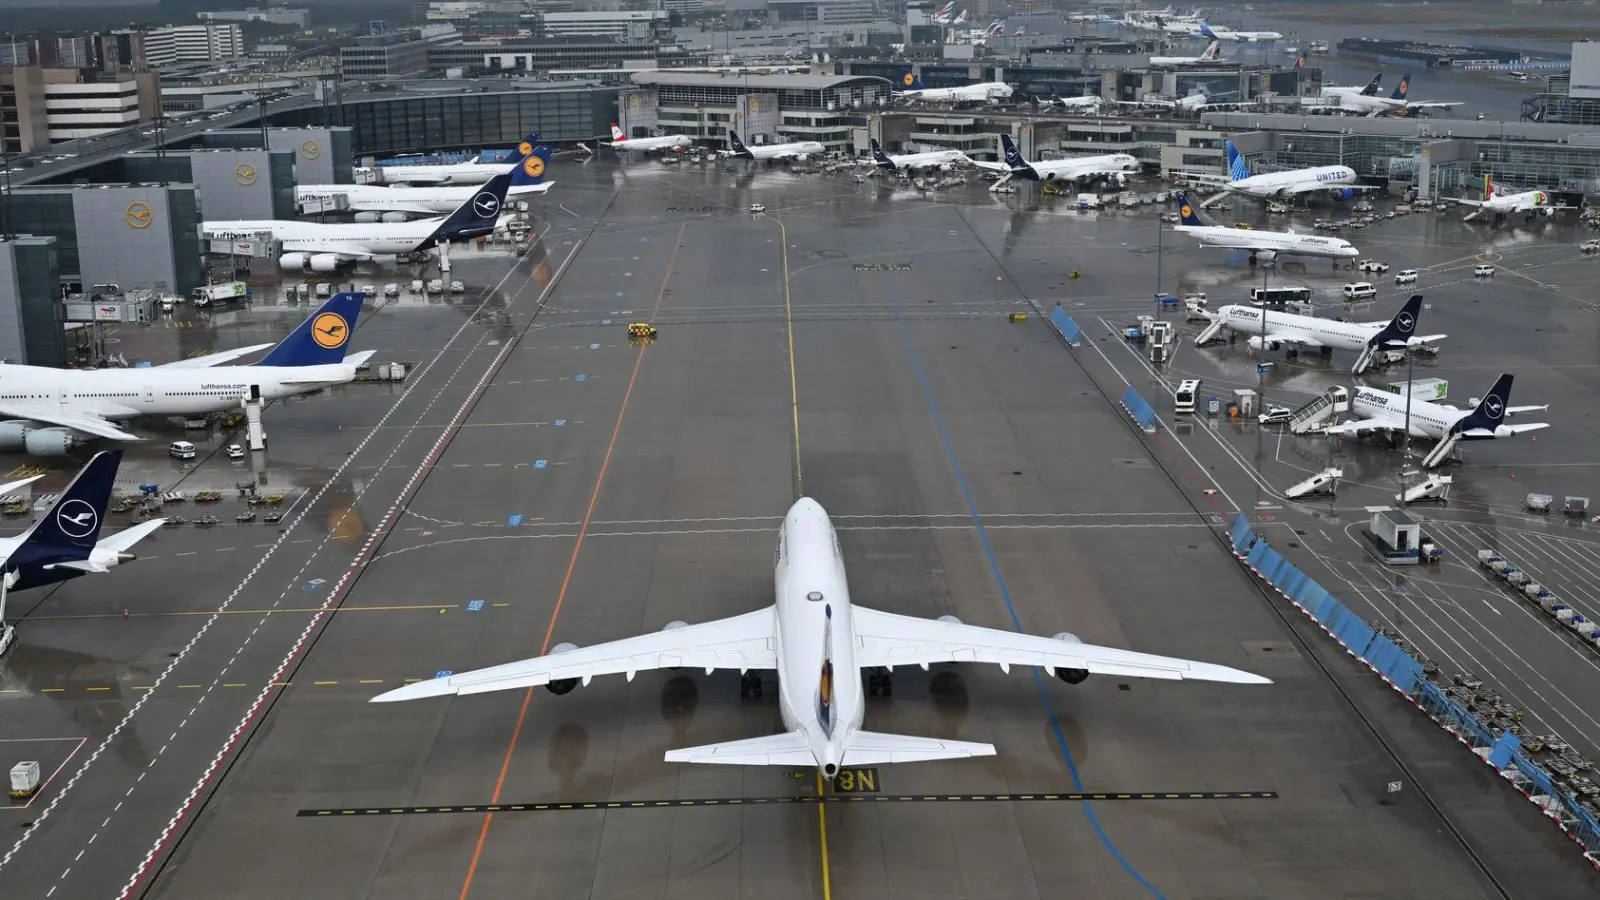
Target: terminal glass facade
(423,123)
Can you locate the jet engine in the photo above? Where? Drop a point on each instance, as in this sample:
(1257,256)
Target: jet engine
(14,433)
(366,218)
(50,442)
(1071,676)
(1255,343)
(1121,179)
(309,262)
(1342,193)
(562,685)
(1547,211)
(801,158)
(395,217)
(1265,256)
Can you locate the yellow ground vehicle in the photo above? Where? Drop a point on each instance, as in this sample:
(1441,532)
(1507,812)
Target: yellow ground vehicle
(641,331)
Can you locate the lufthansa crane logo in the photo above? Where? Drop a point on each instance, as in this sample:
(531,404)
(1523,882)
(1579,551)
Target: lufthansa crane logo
(533,166)
(77,519)
(1406,321)
(635,102)
(138,214)
(1494,406)
(524,148)
(310,149)
(486,204)
(1185,211)
(244,173)
(908,79)
(330,331)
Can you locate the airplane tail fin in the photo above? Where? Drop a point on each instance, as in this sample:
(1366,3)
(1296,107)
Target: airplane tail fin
(1490,412)
(1206,30)
(68,531)
(1213,51)
(322,339)
(1488,187)
(1237,170)
(1403,326)
(1371,90)
(616,133)
(530,171)
(870,748)
(1186,213)
(1014,159)
(1402,88)
(911,81)
(881,158)
(479,214)
(825,714)
(737,146)
(1300,61)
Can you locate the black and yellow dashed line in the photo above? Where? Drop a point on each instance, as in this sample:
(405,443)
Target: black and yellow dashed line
(778,801)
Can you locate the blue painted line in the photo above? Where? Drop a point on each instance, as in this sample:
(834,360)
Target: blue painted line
(474,606)
(559,422)
(444,673)
(540,463)
(513,521)
(581,378)
(1005,593)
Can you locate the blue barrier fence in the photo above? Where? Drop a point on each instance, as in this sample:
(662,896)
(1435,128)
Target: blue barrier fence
(1142,412)
(1394,665)
(1063,323)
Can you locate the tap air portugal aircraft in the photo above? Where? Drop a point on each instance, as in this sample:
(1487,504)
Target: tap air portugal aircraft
(1213,53)
(1497,204)
(1263,245)
(663,144)
(458,173)
(987,92)
(1269,330)
(47,412)
(819,643)
(1365,101)
(324,247)
(526,180)
(1383,411)
(1338,182)
(798,151)
(937,159)
(1084,168)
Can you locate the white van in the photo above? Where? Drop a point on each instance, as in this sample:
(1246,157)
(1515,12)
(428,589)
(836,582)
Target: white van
(181,450)
(1360,290)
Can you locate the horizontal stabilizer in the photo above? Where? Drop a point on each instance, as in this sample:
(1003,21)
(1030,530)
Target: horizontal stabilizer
(787,749)
(123,541)
(81,565)
(870,748)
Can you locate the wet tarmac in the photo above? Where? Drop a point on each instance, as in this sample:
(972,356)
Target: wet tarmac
(540,479)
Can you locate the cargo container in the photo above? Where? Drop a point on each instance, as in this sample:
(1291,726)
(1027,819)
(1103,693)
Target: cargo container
(24,780)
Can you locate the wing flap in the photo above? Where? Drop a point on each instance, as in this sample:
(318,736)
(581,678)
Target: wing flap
(887,639)
(871,748)
(787,749)
(741,642)
(78,420)
(1355,425)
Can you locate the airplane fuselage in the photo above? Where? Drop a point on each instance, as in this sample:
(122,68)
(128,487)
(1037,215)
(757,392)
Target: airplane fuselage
(819,687)
(1248,320)
(786,151)
(121,394)
(1283,242)
(972,93)
(1428,420)
(1273,183)
(453,173)
(441,199)
(653,144)
(931,160)
(362,238)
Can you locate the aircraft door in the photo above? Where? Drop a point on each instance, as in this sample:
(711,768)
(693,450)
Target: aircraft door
(149,394)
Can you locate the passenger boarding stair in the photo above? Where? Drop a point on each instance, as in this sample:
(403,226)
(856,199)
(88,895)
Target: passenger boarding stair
(1324,482)
(1441,451)
(1433,487)
(1320,412)
(1209,333)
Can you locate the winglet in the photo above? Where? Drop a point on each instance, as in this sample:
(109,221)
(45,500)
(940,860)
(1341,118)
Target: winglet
(322,339)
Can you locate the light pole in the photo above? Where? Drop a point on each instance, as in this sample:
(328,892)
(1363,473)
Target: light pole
(1405,464)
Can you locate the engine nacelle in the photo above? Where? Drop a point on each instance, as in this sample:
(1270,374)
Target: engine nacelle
(1122,180)
(1343,193)
(1256,342)
(366,218)
(14,433)
(1070,676)
(562,685)
(294,262)
(801,158)
(50,442)
(396,217)
(1546,211)
(324,262)
(950,619)
(1266,255)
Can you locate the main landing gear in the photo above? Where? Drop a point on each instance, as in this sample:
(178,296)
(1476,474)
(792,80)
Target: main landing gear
(879,683)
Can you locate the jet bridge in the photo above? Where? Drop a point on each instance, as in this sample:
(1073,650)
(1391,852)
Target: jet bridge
(1320,412)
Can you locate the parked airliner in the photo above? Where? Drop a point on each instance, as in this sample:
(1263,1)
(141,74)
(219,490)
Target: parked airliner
(1336,181)
(665,143)
(1267,329)
(937,159)
(527,179)
(1494,203)
(1264,246)
(1113,166)
(1366,101)
(458,173)
(1212,53)
(1383,411)
(799,151)
(1228,34)
(820,644)
(987,92)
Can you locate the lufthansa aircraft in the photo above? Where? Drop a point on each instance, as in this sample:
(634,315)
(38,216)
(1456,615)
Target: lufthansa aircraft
(1264,246)
(819,643)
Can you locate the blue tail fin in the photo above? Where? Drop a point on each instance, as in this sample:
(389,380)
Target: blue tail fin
(881,158)
(1402,88)
(1300,61)
(322,339)
(1237,170)
(478,216)
(1490,412)
(1206,30)
(910,81)
(737,146)
(1403,326)
(1186,213)
(1371,90)
(1019,166)
(531,170)
(69,531)
(825,682)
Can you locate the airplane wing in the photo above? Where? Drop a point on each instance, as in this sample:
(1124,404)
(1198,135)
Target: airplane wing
(78,420)
(1355,426)
(312,246)
(741,642)
(1465,202)
(1299,338)
(1434,104)
(991,166)
(887,639)
(215,359)
(1306,187)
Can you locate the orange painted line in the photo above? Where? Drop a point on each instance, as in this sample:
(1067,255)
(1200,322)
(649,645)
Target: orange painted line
(566,581)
